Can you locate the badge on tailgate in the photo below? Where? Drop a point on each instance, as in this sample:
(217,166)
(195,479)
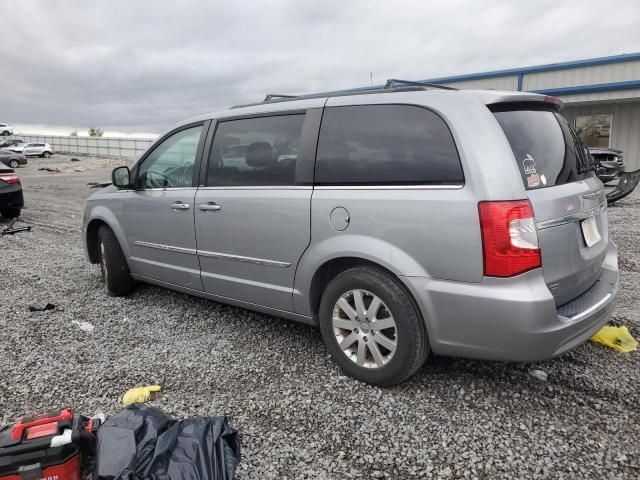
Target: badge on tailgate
(590,231)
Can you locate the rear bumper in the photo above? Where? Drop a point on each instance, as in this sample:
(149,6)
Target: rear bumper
(11,197)
(513,319)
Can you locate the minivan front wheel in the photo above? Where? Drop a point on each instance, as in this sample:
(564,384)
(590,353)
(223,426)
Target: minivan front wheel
(113,265)
(371,327)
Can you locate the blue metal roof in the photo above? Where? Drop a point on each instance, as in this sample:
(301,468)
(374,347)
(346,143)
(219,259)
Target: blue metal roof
(625,57)
(597,87)
(520,72)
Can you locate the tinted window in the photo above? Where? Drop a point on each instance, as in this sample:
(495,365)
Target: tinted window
(385,144)
(171,163)
(546,149)
(256,151)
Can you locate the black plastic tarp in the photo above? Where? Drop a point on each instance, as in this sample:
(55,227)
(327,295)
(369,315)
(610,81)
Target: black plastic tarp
(142,442)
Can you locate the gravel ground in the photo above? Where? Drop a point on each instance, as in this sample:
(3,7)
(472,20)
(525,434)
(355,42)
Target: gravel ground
(298,416)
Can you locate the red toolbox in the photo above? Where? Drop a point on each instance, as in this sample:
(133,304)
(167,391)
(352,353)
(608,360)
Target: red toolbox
(45,447)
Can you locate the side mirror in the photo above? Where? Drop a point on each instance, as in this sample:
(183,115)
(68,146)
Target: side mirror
(121,177)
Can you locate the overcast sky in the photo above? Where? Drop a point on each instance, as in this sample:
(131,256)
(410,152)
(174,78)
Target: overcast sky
(140,66)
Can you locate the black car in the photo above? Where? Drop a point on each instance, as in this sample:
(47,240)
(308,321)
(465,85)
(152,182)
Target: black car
(11,200)
(12,159)
(10,142)
(608,163)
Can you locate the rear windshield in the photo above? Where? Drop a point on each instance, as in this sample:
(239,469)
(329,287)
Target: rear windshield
(546,148)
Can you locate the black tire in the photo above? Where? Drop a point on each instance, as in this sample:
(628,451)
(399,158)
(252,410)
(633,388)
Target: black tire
(14,163)
(46,154)
(6,133)
(10,212)
(412,340)
(113,265)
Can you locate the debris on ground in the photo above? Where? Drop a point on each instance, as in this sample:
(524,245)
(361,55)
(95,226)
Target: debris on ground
(617,338)
(143,442)
(50,170)
(78,169)
(11,230)
(41,307)
(84,326)
(98,184)
(539,374)
(75,159)
(139,394)
(626,184)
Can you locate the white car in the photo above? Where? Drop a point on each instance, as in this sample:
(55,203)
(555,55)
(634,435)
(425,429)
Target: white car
(5,129)
(33,149)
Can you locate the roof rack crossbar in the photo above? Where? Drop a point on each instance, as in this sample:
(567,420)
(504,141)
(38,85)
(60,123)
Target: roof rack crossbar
(271,96)
(391,81)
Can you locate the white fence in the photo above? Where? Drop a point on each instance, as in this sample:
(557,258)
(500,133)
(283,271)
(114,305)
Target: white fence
(103,146)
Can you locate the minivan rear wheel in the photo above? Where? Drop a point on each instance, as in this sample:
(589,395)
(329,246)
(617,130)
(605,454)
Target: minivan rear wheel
(371,327)
(113,265)
(46,154)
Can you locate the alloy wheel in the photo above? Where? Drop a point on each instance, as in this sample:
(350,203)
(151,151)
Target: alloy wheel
(365,329)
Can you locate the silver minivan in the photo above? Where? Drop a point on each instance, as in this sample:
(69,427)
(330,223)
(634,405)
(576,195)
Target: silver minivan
(401,221)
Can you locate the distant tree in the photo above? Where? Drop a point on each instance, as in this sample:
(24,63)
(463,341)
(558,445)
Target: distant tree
(95,132)
(74,133)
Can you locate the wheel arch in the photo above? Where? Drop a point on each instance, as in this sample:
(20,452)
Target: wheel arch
(331,268)
(103,216)
(325,259)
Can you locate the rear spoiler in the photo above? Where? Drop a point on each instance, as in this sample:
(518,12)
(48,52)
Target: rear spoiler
(546,103)
(492,98)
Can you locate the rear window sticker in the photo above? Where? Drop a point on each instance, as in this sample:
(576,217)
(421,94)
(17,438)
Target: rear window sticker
(543,179)
(529,165)
(533,180)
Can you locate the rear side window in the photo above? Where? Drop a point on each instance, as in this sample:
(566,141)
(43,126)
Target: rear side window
(546,149)
(385,144)
(256,151)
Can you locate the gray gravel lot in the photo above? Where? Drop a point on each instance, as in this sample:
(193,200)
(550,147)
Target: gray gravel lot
(299,417)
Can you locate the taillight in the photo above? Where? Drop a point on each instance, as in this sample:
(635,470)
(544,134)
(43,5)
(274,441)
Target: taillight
(9,178)
(509,238)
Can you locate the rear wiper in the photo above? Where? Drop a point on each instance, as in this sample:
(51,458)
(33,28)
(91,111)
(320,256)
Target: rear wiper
(585,165)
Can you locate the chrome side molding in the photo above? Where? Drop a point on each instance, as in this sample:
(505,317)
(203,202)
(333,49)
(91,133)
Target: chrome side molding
(223,256)
(240,258)
(159,246)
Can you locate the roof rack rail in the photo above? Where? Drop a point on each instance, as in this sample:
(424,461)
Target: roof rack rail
(271,96)
(391,81)
(389,87)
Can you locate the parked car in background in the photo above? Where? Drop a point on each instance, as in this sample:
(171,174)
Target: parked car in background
(12,159)
(6,130)
(33,149)
(10,142)
(608,162)
(401,221)
(11,200)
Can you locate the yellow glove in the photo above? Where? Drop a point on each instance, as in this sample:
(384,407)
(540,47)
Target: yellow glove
(618,338)
(139,394)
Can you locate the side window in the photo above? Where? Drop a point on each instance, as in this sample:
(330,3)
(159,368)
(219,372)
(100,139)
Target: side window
(256,151)
(385,144)
(170,164)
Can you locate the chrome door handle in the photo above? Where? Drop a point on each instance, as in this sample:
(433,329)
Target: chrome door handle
(180,206)
(210,206)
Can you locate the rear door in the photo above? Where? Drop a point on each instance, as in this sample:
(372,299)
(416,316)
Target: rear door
(567,198)
(30,149)
(252,213)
